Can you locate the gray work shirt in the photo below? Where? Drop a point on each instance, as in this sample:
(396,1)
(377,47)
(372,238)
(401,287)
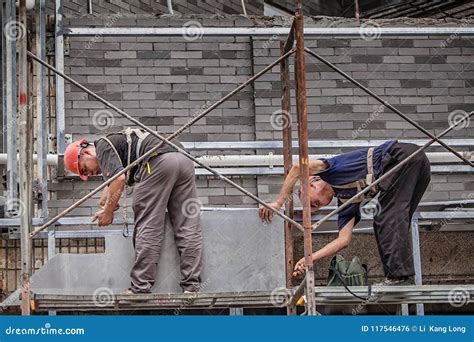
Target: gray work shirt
(110,163)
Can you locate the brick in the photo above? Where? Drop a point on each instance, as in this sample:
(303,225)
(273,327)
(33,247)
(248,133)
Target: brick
(397,43)
(156,120)
(186,54)
(367,59)
(102,62)
(430,59)
(153,54)
(120,54)
(398,59)
(415,84)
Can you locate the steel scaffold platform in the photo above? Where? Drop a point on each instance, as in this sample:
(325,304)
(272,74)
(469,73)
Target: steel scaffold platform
(386,295)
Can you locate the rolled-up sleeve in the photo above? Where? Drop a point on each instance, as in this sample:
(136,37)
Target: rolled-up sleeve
(347,214)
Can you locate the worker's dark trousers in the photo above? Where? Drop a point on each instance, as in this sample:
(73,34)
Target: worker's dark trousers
(169,185)
(399,197)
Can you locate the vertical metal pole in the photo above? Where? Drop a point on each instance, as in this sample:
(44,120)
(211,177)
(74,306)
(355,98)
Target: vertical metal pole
(415,240)
(288,163)
(357,11)
(59,64)
(11,110)
(300,77)
(42,135)
(25,129)
(3,5)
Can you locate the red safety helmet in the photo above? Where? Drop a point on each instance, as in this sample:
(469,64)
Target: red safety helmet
(71,157)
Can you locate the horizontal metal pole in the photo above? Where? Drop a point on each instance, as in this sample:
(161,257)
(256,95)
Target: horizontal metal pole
(267,31)
(267,160)
(258,171)
(461,213)
(274,144)
(390,294)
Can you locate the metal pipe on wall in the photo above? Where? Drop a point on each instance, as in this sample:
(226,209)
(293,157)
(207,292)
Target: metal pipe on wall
(267,31)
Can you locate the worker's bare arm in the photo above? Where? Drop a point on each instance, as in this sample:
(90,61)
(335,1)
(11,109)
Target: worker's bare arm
(315,166)
(341,242)
(103,197)
(114,194)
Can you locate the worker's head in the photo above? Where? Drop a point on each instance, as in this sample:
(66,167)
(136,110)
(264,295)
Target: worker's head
(320,193)
(80,158)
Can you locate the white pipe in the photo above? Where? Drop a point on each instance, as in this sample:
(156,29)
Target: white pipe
(266,160)
(271,160)
(267,31)
(52,159)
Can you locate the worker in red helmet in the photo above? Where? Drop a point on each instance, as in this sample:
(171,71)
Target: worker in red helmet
(163,181)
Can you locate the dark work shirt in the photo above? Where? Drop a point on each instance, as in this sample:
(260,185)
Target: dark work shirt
(350,167)
(111,164)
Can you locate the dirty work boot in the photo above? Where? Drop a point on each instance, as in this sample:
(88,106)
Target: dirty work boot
(401,281)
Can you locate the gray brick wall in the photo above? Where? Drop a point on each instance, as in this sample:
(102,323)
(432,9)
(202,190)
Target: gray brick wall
(164,82)
(156,7)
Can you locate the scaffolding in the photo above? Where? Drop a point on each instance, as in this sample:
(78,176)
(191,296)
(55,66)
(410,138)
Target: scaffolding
(292,45)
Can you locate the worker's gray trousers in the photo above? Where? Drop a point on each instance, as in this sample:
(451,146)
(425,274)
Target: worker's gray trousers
(398,200)
(170,185)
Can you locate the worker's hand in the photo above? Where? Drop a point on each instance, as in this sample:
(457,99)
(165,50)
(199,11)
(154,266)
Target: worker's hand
(104,218)
(299,267)
(266,214)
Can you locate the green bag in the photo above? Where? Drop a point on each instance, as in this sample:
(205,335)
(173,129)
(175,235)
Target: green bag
(347,273)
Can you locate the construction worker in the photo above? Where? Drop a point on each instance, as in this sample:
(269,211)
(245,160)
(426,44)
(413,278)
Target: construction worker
(164,181)
(343,176)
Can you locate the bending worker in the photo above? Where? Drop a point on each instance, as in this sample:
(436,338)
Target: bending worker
(343,176)
(165,180)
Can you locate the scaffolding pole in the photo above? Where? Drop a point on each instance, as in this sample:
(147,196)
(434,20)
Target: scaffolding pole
(163,140)
(42,133)
(288,163)
(25,130)
(11,108)
(300,81)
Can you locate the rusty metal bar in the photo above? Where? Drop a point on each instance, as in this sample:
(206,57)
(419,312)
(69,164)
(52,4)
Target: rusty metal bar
(288,163)
(388,105)
(163,140)
(390,172)
(25,129)
(300,78)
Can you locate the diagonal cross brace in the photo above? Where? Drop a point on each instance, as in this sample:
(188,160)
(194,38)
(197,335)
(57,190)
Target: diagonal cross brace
(163,140)
(388,105)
